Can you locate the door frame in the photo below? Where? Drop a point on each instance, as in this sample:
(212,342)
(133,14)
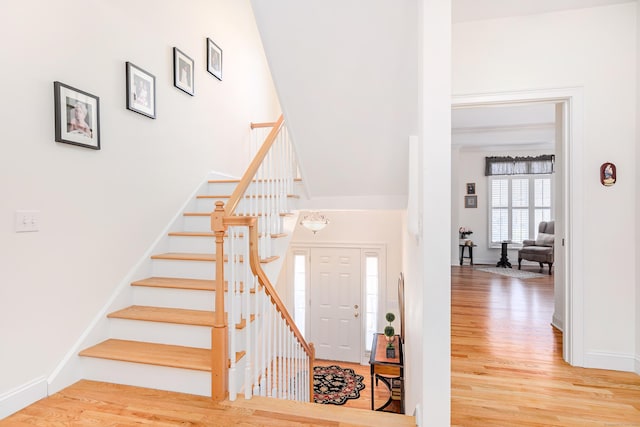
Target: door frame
(381,250)
(572,242)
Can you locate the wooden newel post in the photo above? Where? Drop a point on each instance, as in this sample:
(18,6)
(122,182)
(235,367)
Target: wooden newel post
(312,362)
(219,332)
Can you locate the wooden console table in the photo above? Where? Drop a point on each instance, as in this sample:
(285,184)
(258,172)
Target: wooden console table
(389,371)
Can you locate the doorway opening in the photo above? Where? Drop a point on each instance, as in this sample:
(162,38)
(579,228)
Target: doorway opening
(567,107)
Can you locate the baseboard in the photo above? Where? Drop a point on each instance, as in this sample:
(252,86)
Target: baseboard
(611,361)
(557,323)
(23,396)
(637,365)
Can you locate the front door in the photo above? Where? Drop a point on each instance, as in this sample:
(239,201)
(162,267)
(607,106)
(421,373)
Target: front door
(335,306)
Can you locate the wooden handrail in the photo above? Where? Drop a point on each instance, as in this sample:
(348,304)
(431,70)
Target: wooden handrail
(222,218)
(256,268)
(248,176)
(263,125)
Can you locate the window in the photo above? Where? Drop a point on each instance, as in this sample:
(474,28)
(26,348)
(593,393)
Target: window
(371,291)
(299,291)
(517,204)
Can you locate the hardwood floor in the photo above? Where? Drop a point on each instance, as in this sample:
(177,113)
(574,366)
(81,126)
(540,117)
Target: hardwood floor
(506,361)
(507,371)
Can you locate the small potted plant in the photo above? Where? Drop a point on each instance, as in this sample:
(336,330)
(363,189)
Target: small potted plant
(464,232)
(389,333)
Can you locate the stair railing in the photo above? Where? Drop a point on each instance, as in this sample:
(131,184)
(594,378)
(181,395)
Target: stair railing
(275,360)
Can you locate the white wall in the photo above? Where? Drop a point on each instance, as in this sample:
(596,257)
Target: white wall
(428,372)
(101,210)
(466,167)
(593,49)
(637,158)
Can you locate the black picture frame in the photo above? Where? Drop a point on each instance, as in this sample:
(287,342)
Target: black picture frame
(77,116)
(141,90)
(183,72)
(471,188)
(470,201)
(214,59)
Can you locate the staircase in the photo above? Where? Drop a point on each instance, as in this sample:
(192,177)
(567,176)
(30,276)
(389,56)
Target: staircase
(163,338)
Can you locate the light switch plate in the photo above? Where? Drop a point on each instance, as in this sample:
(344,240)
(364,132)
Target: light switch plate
(27,221)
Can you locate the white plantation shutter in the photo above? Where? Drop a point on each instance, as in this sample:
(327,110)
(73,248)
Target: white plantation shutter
(542,201)
(517,205)
(499,209)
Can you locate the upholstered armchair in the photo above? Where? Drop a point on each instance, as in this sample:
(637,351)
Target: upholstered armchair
(541,249)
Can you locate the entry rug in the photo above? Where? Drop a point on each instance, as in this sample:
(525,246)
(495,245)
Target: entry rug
(511,272)
(335,385)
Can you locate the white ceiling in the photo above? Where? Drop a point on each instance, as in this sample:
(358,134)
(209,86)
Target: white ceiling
(525,126)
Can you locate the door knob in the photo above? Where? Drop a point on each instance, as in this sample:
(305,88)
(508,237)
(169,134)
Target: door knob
(356,314)
(355,306)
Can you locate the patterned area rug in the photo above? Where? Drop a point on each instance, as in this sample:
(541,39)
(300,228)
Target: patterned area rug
(335,385)
(511,272)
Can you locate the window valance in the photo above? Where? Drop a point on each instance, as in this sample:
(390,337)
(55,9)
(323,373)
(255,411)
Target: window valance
(519,165)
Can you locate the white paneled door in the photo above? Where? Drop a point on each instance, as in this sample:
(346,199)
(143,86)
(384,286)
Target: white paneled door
(335,303)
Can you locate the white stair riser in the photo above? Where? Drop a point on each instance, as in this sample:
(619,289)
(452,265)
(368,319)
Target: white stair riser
(237,377)
(203,223)
(161,333)
(174,298)
(218,188)
(192,244)
(253,204)
(198,244)
(150,376)
(184,269)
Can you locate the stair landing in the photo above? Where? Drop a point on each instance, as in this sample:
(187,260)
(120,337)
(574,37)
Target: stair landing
(99,403)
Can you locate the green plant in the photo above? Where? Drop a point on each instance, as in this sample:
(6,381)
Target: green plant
(389,331)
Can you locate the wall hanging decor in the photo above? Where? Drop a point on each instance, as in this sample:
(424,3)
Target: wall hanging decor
(183,71)
(141,91)
(608,174)
(77,116)
(214,59)
(471,188)
(470,201)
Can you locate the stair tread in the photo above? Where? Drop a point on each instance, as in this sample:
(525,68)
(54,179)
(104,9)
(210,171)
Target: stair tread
(232,180)
(192,233)
(211,234)
(185,284)
(185,256)
(338,415)
(226,196)
(174,356)
(207,214)
(166,315)
(177,283)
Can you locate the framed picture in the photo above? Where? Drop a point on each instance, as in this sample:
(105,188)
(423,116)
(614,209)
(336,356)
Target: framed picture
(183,71)
(214,59)
(77,115)
(608,174)
(471,188)
(470,201)
(141,91)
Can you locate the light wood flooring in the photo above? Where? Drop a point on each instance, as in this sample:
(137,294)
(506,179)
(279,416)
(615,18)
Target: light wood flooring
(507,371)
(506,361)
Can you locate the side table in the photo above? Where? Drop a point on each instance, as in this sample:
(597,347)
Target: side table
(504,259)
(462,257)
(389,371)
